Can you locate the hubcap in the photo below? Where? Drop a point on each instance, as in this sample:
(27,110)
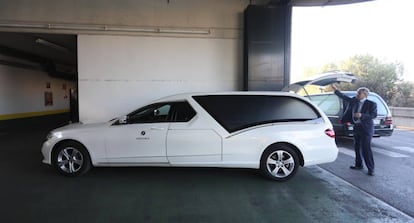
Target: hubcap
(280,164)
(70,160)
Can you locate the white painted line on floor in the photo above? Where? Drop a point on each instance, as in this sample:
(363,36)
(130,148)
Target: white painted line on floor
(389,153)
(378,150)
(404,148)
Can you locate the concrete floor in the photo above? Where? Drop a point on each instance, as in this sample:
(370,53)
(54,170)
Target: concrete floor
(33,192)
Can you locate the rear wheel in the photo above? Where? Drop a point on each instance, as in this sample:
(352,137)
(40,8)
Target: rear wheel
(71,159)
(279,162)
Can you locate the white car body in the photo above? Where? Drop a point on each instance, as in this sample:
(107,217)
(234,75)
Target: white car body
(200,142)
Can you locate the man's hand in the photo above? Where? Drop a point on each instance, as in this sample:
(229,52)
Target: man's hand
(357,115)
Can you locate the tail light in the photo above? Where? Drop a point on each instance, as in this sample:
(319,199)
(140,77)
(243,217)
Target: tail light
(388,120)
(330,133)
(345,123)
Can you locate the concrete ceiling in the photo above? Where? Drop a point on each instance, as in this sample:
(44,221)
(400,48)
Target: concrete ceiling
(54,53)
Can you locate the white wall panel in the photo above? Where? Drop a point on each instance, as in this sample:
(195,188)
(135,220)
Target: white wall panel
(23,91)
(120,73)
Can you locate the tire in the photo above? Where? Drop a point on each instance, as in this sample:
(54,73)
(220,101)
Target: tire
(279,162)
(71,159)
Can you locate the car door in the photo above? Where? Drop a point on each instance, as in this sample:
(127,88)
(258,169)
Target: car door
(192,143)
(142,138)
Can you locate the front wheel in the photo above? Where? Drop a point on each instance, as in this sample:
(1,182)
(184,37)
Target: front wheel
(71,159)
(279,162)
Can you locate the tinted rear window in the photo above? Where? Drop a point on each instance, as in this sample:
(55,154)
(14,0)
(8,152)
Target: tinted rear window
(235,112)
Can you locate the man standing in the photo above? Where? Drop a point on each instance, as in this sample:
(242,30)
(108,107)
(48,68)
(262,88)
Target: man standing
(361,112)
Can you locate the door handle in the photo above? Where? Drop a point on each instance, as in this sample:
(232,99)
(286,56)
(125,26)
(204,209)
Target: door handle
(157,128)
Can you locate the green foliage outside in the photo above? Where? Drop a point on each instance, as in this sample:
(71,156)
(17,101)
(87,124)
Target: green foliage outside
(381,77)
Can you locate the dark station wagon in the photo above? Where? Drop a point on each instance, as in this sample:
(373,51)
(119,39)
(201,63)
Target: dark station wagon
(334,107)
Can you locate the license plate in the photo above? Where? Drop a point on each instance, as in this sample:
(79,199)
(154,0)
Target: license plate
(377,121)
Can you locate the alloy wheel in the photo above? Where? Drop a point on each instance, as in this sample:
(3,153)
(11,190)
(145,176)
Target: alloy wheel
(70,160)
(280,164)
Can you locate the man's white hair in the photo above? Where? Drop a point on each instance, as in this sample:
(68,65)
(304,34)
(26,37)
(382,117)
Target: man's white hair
(364,90)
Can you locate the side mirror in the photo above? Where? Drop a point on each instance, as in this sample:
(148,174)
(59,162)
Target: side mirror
(123,119)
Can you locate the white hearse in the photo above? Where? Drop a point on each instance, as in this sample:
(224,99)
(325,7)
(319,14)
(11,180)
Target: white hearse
(275,132)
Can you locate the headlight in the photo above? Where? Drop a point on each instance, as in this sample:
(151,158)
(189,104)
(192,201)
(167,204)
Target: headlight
(49,136)
(54,135)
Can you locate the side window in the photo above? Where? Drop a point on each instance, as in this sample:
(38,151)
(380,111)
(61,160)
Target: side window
(183,112)
(150,114)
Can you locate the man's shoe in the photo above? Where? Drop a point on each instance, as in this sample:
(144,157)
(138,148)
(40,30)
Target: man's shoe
(370,173)
(356,167)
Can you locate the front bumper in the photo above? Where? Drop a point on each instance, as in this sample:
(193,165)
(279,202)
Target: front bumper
(47,152)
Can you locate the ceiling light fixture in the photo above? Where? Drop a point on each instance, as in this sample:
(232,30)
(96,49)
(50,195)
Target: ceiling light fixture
(52,45)
(104,28)
(185,31)
(130,29)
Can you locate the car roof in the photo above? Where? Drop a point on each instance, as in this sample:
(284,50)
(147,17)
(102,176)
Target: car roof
(354,92)
(184,96)
(348,93)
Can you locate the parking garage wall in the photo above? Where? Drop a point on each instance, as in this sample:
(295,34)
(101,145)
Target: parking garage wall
(28,93)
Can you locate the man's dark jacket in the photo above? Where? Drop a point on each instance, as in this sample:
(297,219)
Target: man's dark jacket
(368,111)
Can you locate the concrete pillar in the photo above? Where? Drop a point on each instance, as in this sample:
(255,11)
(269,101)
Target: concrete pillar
(267,47)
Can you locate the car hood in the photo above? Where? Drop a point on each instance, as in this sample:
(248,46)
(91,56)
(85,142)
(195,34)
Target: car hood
(79,126)
(322,80)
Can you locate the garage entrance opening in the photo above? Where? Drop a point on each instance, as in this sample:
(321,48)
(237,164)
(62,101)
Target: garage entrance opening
(38,78)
